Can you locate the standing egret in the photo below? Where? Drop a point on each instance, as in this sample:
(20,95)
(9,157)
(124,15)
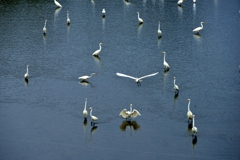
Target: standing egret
(44,28)
(85,113)
(194,129)
(103,13)
(139,19)
(180,2)
(189,113)
(129,114)
(26,75)
(175,86)
(94,118)
(98,51)
(68,19)
(165,64)
(84,78)
(199,28)
(57,4)
(137,80)
(159,31)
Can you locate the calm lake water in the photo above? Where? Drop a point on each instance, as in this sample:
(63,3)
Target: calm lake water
(43,119)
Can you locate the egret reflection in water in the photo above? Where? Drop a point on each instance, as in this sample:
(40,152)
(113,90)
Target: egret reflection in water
(130,124)
(84,125)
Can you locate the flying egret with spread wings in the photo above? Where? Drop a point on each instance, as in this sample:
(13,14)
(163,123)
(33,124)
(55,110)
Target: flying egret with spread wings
(137,80)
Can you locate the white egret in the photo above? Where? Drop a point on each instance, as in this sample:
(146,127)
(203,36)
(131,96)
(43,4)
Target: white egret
(175,86)
(194,129)
(26,75)
(98,51)
(165,64)
(180,2)
(68,19)
(103,13)
(189,113)
(44,28)
(57,4)
(137,80)
(199,28)
(159,31)
(129,114)
(139,19)
(85,113)
(84,78)
(94,118)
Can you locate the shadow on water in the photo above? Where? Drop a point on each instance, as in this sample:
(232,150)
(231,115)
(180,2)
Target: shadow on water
(176,96)
(26,82)
(190,126)
(130,124)
(85,83)
(93,130)
(194,141)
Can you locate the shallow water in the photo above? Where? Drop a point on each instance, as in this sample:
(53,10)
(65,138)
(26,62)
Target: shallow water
(43,119)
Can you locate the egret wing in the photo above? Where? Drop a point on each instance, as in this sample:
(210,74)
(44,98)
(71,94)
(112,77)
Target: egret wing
(149,75)
(135,113)
(123,113)
(197,29)
(124,75)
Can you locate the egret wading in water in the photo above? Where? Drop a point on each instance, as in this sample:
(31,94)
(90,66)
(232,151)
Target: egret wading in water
(103,13)
(96,53)
(137,80)
(26,74)
(159,31)
(165,64)
(84,78)
(196,30)
(180,2)
(85,113)
(57,4)
(68,19)
(93,118)
(44,28)
(189,113)
(175,86)
(139,19)
(129,114)
(194,129)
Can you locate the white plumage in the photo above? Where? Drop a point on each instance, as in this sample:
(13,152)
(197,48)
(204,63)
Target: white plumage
(137,80)
(180,2)
(194,129)
(165,64)
(103,12)
(175,86)
(68,19)
(129,114)
(139,19)
(93,118)
(26,74)
(199,28)
(44,28)
(85,113)
(159,31)
(189,113)
(98,51)
(84,78)
(57,4)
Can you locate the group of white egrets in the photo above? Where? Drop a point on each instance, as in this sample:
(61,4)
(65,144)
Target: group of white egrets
(131,113)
